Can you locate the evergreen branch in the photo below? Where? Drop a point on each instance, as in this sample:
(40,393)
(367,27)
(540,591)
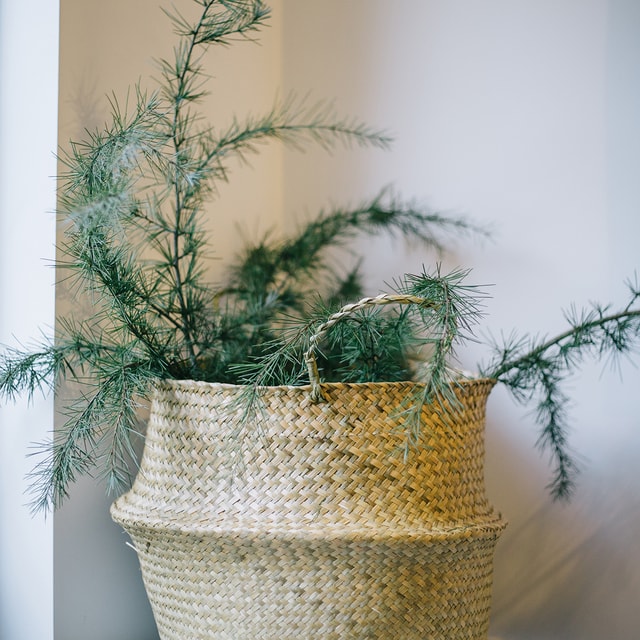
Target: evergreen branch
(113,271)
(128,384)
(76,447)
(233,17)
(384,212)
(105,162)
(31,371)
(101,173)
(455,307)
(41,367)
(291,124)
(372,347)
(71,453)
(280,363)
(273,265)
(531,368)
(597,331)
(219,21)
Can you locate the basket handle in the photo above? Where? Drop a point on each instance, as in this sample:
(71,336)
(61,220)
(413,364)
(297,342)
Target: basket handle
(383,299)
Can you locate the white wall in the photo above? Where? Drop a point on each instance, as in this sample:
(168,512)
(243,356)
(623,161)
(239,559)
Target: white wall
(524,115)
(28,110)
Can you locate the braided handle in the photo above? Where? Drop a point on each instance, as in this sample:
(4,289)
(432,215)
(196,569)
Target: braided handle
(321,331)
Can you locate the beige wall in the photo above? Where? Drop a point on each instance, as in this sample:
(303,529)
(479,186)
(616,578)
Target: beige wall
(107,47)
(523,115)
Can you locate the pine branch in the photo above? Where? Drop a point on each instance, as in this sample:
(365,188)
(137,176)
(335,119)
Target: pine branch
(373,347)
(106,162)
(114,273)
(273,267)
(293,124)
(385,212)
(448,321)
(217,22)
(131,201)
(77,446)
(536,369)
(29,371)
(221,20)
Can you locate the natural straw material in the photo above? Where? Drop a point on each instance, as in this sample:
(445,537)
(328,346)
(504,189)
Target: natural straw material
(345,312)
(313,525)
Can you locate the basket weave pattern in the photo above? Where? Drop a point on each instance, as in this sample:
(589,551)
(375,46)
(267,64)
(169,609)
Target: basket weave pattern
(316,527)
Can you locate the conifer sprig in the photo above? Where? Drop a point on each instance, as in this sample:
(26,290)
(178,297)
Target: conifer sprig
(455,308)
(533,370)
(294,123)
(272,264)
(426,317)
(132,197)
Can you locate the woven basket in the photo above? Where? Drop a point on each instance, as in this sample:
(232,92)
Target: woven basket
(324,531)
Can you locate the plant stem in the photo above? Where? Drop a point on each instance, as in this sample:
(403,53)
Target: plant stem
(179,199)
(537,351)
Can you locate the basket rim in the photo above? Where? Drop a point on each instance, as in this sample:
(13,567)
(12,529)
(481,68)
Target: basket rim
(177,383)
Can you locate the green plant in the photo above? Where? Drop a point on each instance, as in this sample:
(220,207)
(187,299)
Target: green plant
(442,312)
(534,368)
(132,199)
(131,202)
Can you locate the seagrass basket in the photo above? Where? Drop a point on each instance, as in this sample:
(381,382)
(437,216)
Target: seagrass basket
(310,523)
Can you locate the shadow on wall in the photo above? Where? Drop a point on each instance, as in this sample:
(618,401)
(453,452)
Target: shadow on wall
(96,571)
(91,590)
(559,565)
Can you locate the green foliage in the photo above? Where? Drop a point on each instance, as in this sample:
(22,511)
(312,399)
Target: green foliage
(534,369)
(377,346)
(132,198)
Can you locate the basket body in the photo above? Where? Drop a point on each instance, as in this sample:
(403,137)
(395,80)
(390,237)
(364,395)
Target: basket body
(316,526)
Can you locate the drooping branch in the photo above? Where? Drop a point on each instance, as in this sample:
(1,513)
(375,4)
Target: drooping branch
(533,370)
